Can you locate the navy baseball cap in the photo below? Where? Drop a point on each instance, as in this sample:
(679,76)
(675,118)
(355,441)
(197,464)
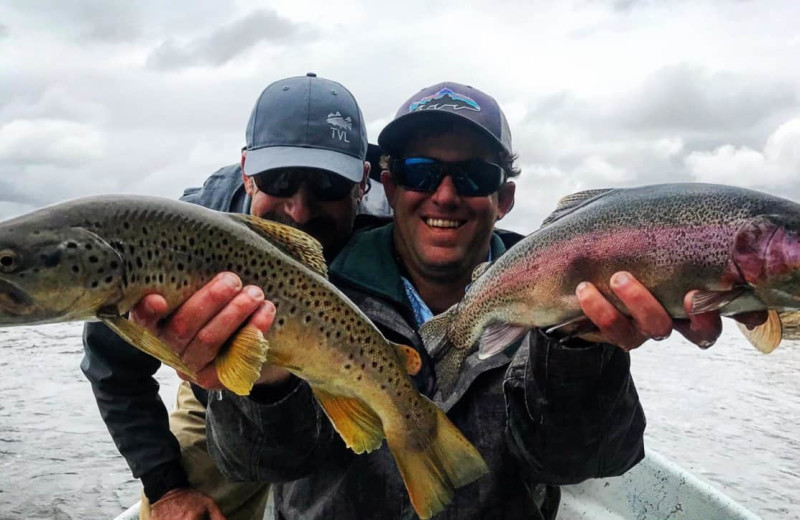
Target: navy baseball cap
(307,122)
(447,100)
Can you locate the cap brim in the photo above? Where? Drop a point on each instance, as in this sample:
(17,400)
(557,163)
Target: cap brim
(274,157)
(396,133)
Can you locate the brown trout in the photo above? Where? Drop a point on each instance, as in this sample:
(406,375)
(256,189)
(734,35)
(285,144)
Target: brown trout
(94,258)
(740,248)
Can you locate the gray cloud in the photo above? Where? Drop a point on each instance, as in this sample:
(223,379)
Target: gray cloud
(88,20)
(3,30)
(689,97)
(226,42)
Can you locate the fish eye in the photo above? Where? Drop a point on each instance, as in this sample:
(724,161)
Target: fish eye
(8,261)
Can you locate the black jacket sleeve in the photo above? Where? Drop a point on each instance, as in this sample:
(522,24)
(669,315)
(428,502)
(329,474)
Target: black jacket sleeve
(573,413)
(127,396)
(268,440)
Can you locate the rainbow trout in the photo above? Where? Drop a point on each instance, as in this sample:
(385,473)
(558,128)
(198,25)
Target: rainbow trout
(94,258)
(740,248)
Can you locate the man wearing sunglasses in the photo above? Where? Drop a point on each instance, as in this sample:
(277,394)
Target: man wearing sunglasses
(541,413)
(304,165)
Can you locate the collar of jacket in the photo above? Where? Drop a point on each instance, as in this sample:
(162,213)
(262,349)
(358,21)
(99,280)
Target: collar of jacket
(369,262)
(223,191)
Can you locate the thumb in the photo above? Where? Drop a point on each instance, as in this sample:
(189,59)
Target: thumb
(214,512)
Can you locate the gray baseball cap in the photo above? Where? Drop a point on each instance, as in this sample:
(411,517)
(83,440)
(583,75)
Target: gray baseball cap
(447,100)
(307,122)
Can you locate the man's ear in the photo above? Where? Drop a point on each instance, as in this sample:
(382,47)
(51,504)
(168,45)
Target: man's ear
(505,199)
(248,183)
(362,186)
(389,186)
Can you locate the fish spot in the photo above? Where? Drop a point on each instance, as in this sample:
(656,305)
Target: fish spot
(114,264)
(109,279)
(88,247)
(72,245)
(94,284)
(347,367)
(374,364)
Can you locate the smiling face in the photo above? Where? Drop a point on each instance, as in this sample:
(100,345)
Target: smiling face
(443,235)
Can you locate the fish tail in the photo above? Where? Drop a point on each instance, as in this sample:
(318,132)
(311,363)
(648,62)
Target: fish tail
(435,332)
(239,365)
(436,335)
(433,472)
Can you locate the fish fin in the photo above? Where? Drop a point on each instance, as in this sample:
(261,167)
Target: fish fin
(480,269)
(707,301)
(434,332)
(767,336)
(572,201)
(576,326)
(790,324)
(239,364)
(410,358)
(497,336)
(360,428)
(432,472)
(447,356)
(145,341)
(299,245)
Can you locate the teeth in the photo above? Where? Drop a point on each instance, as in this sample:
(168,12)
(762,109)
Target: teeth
(442,223)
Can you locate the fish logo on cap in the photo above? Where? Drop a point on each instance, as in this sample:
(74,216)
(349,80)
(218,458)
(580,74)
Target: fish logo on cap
(445,98)
(337,119)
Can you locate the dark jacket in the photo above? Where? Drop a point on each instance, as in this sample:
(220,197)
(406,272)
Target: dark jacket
(545,416)
(122,376)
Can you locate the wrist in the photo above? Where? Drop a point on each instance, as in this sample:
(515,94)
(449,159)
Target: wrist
(164,478)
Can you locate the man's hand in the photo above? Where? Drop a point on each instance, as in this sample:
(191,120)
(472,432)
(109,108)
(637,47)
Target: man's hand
(649,319)
(185,504)
(200,327)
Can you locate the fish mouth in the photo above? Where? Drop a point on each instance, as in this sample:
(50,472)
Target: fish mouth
(14,300)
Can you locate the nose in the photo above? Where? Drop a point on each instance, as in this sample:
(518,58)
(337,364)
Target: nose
(446,193)
(300,207)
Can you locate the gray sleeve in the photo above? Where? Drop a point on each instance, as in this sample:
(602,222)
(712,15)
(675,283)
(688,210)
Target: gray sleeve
(266,441)
(573,413)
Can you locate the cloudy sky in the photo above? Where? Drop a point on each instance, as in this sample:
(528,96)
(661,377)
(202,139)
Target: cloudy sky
(102,96)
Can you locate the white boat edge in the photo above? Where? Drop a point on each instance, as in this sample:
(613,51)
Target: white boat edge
(655,489)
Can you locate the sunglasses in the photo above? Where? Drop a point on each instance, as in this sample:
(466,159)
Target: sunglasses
(473,178)
(324,186)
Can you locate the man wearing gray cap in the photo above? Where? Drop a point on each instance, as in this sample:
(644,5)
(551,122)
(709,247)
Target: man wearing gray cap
(304,165)
(542,413)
